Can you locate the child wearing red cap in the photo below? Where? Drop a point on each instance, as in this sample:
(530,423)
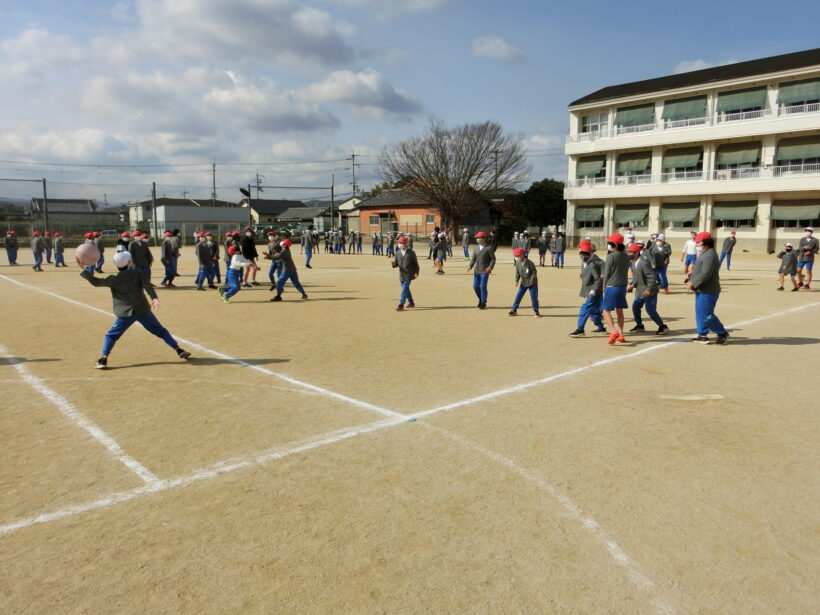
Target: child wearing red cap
(705,281)
(98,242)
(526,279)
(482,263)
(726,250)
(249,252)
(406,262)
(289,272)
(204,258)
(123,242)
(167,259)
(59,250)
(615,279)
(11,247)
(233,277)
(645,284)
(49,246)
(591,289)
(274,245)
(38,247)
(141,256)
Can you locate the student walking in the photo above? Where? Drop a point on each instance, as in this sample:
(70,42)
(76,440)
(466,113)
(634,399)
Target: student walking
(615,279)
(250,253)
(465,243)
(274,246)
(646,286)
(59,250)
(408,265)
(705,281)
(359,242)
(11,247)
(560,248)
(123,242)
(542,243)
(98,242)
(526,279)
(203,261)
(440,253)
(726,250)
(128,290)
(48,245)
(788,266)
(176,240)
(806,251)
(591,289)
(660,252)
(166,252)
(482,264)
(37,247)
(233,274)
(689,256)
(289,272)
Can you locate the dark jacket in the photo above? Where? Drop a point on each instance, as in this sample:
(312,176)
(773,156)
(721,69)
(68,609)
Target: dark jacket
(807,247)
(59,247)
(128,290)
(616,269)
(645,278)
(11,242)
(591,276)
(249,248)
(788,264)
(407,264)
(286,258)
(526,273)
(140,254)
(38,245)
(729,244)
(706,274)
(482,259)
(203,253)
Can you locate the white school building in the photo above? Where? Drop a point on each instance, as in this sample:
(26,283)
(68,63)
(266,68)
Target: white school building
(730,147)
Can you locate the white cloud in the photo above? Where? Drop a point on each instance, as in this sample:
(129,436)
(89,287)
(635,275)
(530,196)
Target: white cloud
(35,52)
(388,9)
(366,91)
(690,65)
(496,48)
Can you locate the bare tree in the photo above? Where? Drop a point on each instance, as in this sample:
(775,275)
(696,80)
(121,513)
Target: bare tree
(455,169)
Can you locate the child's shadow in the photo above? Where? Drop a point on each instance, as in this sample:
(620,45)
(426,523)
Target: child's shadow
(203,361)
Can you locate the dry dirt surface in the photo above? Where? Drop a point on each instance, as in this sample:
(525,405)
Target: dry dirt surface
(336,456)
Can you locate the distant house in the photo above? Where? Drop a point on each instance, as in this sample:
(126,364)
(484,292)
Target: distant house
(187,215)
(70,213)
(265,211)
(299,218)
(348,216)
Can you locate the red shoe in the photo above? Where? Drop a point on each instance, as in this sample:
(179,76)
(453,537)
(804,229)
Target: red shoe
(666,291)
(621,338)
(400,308)
(806,287)
(411,305)
(613,337)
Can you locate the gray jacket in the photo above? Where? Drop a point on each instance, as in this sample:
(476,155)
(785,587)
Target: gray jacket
(140,254)
(59,248)
(99,243)
(128,290)
(729,244)
(286,258)
(176,241)
(37,245)
(407,264)
(645,278)
(808,247)
(660,254)
(706,274)
(788,262)
(591,276)
(167,250)
(560,244)
(616,269)
(526,273)
(465,239)
(482,259)
(203,253)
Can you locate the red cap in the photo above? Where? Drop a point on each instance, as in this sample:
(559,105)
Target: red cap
(634,249)
(402,239)
(56,233)
(271,232)
(518,252)
(480,234)
(96,233)
(615,238)
(209,233)
(88,235)
(167,233)
(200,234)
(36,233)
(126,234)
(233,250)
(247,228)
(144,235)
(585,246)
(287,243)
(732,232)
(48,233)
(701,236)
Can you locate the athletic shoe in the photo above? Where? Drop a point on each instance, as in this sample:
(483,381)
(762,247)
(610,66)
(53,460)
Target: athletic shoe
(183,354)
(482,306)
(163,283)
(621,338)
(277,298)
(272,288)
(613,337)
(200,288)
(794,290)
(638,328)
(255,283)
(666,291)
(661,330)
(512,313)
(537,314)
(246,285)
(102,363)
(600,330)
(225,299)
(800,285)
(806,287)
(701,338)
(304,297)
(211,285)
(411,305)
(400,308)
(781,288)
(721,338)
(478,305)
(577,333)
(308,267)
(221,291)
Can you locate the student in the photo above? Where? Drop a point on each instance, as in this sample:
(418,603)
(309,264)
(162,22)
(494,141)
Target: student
(705,281)
(646,287)
(359,243)
(203,260)
(526,243)
(615,279)
(274,246)
(176,240)
(492,241)
(726,250)
(289,272)
(214,248)
(660,251)
(37,247)
(542,244)
(526,279)
(560,248)
(227,242)
(141,256)
(351,242)
(59,250)
(307,239)
(391,244)
(591,289)
(465,243)
(788,266)
(166,251)
(688,256)
(552,241)
(11,247)
(482,264)
(98,242)
(48,245)
(516,242)
(408,265)
(249,252)
(128,290)
(440,253)
(410,240)
(233,275)
(123,242)
(806,250)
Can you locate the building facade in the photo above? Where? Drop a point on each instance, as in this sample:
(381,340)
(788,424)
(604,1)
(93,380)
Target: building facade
(734,147)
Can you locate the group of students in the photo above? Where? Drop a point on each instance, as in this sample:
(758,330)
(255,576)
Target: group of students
(43,245)
(553,243)
(794,262)
(336,242)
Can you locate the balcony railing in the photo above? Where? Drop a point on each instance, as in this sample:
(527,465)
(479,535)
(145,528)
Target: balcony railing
(772,172)
(716,119)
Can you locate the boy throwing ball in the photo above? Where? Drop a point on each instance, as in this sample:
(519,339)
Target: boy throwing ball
(128,290)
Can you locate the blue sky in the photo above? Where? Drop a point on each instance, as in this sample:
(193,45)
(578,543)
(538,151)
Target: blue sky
(149,82)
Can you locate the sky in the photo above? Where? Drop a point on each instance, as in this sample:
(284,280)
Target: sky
(104,98)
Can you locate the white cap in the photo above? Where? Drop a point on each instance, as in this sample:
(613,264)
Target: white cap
(587,238)
(789,245)
(441,235)
(810,229)
(661,236)
(121,259)
(515,233)
(630,235)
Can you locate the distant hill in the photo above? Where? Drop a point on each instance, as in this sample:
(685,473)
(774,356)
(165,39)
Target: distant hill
(14,201)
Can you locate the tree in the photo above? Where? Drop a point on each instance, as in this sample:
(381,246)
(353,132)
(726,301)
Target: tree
(456,169)
(543,204)
(376,189)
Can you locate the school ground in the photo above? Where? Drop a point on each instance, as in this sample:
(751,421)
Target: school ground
(335,456)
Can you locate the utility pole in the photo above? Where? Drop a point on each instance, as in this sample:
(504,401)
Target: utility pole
(250,213)
(184,194)
(332,195)
(105,198)
(213,194)
(154,207)
(45,205)
(259,188)
(353,165)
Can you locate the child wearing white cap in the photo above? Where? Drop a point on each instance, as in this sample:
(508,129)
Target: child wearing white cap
(788,266)
(806,250)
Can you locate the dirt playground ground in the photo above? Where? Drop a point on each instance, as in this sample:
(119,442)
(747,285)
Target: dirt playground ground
(336,456)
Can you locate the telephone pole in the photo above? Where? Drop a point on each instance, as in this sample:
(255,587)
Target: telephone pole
(353,165)
(259,188)
(213,194)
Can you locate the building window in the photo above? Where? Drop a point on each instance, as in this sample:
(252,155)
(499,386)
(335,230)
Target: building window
(738,161)
(799,96)
(591,224)
(748,223)
(374,220)
(595,122)
(795,224)
(591,170)
(634,168)
(430,219)
(743,104)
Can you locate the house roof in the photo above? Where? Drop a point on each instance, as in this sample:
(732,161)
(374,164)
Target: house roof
(773,64)
(392,198)
(194,202)
(65,206)
(349,203)
(301,213)
(274,207)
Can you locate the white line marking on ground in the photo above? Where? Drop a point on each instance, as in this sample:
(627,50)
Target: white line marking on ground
(317,389)
(575,512)
(707,396)
(578,370)
(68,410)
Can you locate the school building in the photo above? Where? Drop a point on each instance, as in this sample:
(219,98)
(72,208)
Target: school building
(730,147)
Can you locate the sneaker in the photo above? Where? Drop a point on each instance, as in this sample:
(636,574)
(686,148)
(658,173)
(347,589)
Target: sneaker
(411,305)
(781,288)
(512,313)
(308,267)
(638,328)
(400,307)
(246,285)
(537,314)
(577,333)
(102,363)
(800,285)
(621,338)
(304,297)
(183,354)
(666,291)
(221,291)
(211,285)
(482,306)
(199,288)
(255,283)
(721,338)
(806,287)
(794,290)
(277,298)
(600,330)
(661,330)
(272,288)
(613,337)
(163,283)
(701,338)
(225,299)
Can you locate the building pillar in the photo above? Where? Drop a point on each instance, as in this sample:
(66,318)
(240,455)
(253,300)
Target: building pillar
(764,238)
(709,157)
(711,107)
(611,157)
(611,120)
(657,164)
(569,225)
(654,219)
(706,222)
(772,93)
(572,165)
(574,123)
(609,214)
(767,152)
(659,115)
